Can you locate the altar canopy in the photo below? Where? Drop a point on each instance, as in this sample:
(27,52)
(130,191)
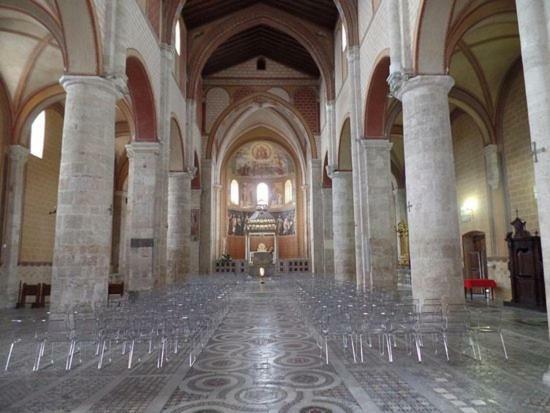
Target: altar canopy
(261,224)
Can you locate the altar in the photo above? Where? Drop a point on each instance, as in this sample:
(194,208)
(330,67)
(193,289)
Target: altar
(261,258)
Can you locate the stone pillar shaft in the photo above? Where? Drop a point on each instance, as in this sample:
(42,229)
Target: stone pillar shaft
(206,218)
(431,189)
(179,191)
(361,248)
(9,281)
(328,233)
(82,250)
(343,225)
(316,216)
(142,190)
(534,30)
(380,214)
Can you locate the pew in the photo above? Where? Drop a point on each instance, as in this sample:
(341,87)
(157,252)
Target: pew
(28,290)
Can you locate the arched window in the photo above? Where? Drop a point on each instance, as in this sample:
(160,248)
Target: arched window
(177,40)
(262,194)
(38,131)
(234,196)
(288,191)
(344,38)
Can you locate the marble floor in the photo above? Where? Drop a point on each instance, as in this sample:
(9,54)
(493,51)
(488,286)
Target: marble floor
(262,358)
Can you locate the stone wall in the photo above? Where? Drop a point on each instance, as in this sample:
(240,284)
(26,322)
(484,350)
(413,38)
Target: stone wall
(518,161)
(471,182)
(40,199)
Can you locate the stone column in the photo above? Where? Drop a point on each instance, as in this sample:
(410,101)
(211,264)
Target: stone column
(9,281)
(327,230)
(178,189)
(123,248)
(119,200)
(394,21)
(316,216)
(431,189)
(167,64)
(194,240)
(380,214)
(343,226)
(535,51)
(206,207)
(361,247)
(82,250)
(140,231)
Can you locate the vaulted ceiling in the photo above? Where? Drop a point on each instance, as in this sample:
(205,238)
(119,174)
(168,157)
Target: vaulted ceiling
(261,41)
(320,12)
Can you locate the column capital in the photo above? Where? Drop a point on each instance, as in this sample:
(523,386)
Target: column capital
(18,153)
(331,169)
(405,84)
(142,148)
(376,144)
(340,174)
(113,84)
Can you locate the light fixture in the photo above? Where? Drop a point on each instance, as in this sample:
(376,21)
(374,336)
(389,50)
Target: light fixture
(468,208)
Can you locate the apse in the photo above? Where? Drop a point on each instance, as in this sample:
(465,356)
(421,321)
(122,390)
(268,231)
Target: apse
(260,172)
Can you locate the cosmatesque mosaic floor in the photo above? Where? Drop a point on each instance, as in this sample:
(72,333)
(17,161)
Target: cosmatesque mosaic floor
(262,358)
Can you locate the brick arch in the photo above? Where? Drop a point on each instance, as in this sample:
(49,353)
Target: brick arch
(305,100)
(376,101)
(431,35)
(251,17)
(254,100)
(142,100)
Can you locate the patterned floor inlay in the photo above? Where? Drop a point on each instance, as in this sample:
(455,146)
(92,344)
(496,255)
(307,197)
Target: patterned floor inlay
(262,358)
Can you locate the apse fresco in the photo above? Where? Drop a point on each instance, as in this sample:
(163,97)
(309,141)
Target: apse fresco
(236,221)
(261,159)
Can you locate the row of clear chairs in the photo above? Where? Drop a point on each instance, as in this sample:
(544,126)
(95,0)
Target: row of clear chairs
(339,312)
(160,322)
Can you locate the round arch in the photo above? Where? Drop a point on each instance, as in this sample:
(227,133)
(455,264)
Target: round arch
(259,15)
(431,36)
(344,147)
(142,99)
(346,8)
(177,155)
(254,101)
(42,99)
(375,106)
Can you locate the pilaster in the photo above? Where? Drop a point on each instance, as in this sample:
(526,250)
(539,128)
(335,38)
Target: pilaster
(9,281)
(141,226)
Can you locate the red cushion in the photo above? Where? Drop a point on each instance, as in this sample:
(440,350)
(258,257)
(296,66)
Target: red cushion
(479,283)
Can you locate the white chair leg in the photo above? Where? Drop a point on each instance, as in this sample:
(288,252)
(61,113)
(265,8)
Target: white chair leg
(9,356)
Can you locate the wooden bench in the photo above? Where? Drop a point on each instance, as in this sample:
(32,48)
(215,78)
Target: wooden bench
(116,288)
(29,290)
